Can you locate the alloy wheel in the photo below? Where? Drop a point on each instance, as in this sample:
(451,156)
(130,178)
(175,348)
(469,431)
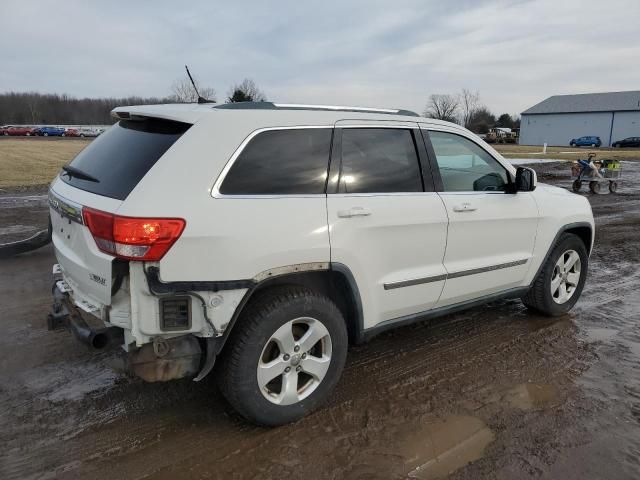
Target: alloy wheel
(294,361)
(565,276)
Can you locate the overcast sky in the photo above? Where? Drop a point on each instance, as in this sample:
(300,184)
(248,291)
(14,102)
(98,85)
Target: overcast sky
(371,53)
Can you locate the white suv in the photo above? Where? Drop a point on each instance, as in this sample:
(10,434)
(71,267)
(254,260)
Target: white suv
(269,237)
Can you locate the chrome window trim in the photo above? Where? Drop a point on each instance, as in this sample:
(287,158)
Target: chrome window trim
(447,276)
(215,191)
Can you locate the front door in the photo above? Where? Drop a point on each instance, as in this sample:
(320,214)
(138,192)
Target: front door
(384,225)
(491,233)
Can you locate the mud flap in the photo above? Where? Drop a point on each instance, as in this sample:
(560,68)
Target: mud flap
(210,359)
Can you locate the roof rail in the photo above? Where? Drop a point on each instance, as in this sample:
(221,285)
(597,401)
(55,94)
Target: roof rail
(295,106)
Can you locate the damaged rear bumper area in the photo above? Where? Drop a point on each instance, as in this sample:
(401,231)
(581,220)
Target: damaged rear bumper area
(64,314)
(161,360)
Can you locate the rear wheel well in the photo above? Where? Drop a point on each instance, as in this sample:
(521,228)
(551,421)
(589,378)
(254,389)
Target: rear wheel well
(331,283)
(584,233)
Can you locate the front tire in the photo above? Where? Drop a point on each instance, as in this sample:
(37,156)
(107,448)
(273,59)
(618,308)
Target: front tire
(559,284)
(285,355)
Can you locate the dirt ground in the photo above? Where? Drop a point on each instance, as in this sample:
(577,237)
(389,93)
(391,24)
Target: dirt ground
(495,392)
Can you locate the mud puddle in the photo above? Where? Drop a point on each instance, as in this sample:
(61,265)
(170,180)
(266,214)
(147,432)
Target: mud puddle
(435,450)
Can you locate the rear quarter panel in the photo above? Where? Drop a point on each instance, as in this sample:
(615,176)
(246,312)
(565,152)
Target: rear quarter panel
(225,238)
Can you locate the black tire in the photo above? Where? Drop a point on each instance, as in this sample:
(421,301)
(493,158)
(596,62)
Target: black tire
(572,144)
(539,297)
(593,145)
(256,325)
(577,185)
(613,187)
(594,187)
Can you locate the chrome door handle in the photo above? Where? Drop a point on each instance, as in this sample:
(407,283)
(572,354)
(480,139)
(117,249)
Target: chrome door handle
(464,207)
(354,212)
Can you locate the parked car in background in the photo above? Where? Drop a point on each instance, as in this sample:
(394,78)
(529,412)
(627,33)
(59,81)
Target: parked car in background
(89,132)
(50,131)
(19,131)
(3,130)
(588,141)
(627,142)
(71,132)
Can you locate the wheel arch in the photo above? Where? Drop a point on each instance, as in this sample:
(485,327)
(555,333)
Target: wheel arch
(336,282)
(584,231)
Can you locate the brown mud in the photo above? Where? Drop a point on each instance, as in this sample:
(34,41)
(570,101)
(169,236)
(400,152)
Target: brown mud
(495,392)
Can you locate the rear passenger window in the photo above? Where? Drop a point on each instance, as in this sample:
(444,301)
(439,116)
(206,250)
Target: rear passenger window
(281,162)
(465,166)
(379,160)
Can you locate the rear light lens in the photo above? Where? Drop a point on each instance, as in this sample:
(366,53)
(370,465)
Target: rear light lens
(132,238)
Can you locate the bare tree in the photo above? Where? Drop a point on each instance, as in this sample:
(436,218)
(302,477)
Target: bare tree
(469,104)
(442,107)
(182,91)
(246,91)
(32,102)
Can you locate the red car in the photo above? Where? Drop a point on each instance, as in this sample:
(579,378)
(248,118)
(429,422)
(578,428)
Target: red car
(19,131)
(71,132)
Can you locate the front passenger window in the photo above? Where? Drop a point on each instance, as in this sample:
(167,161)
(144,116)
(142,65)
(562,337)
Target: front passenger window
(464,166)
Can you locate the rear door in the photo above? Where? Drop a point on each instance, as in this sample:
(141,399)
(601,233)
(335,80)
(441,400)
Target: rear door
(491,233)
(111,166)
(386,224)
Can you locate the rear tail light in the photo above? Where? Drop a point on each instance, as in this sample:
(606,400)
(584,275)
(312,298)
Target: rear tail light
(132,238)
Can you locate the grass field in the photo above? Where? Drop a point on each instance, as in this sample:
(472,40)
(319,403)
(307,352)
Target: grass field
(566,153)
(28,161)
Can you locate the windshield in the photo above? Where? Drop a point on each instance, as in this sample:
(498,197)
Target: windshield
(121,156)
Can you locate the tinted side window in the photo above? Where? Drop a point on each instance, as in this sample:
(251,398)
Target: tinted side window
(281,162)
(379,160)
(464,166)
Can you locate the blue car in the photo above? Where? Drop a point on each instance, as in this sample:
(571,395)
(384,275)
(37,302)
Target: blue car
(50,132)
(588,141)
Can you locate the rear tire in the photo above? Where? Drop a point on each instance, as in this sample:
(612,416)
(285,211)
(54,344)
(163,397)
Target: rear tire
(613,187)
(269,374)
(546,294)
(594,187)
(577,185)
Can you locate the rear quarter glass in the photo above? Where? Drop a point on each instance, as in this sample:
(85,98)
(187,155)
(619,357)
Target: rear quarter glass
(122,156)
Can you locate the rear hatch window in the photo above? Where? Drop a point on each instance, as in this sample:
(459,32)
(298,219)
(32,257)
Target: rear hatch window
(122,155)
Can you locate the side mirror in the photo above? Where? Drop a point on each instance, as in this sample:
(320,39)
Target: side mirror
(526,179)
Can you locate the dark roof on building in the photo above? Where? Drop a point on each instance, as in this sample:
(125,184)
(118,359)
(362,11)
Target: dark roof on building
(588,102)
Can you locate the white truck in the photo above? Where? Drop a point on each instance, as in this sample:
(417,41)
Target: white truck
(269,237)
